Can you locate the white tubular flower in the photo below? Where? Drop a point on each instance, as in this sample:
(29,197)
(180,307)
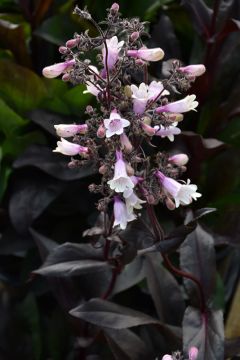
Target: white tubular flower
(133,202)
(193,70)
(57,69)
(180,106)
(154,54)
(168,132)
(181,193)
(69,130)
(91,88)
(121,214)
(167,357)
(144,93)
(121,182)
(114,47)
(115,124)
(67,148)
(179,159)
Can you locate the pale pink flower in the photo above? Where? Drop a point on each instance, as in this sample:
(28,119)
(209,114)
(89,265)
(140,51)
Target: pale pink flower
(179,159)
(180,106)
(144,93)
(114,47)
(193,70)
(91,88)
(57,69)
(168,132)
(154,54)
(193,353)
(181,193)
(67,148)
(121,182)
(133,202)
(115,124)
(121,215)
(167,357)
(69,130)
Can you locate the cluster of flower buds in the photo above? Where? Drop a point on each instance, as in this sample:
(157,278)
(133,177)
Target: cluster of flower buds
(192,355)
(118,134)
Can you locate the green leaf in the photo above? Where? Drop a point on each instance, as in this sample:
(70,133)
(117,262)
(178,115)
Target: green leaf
(15,144)
(76,100)
(231,134)
(21,88)
(9,120)
(29,310)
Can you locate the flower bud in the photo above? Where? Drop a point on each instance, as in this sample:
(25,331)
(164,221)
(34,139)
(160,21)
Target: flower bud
(175,117)
(63,50)
(193,353)
(127,91)
(114,8)
(193,70)
(151,199)
(71,43)
(146,120)
(130,170)
(125,143)
(179,159)
(57,69)
(66,77)
(102,170)
(170,204)
(101,132)
(150,131)
(134,36)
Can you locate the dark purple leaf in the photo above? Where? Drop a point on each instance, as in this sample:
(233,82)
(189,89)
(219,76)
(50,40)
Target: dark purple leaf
(30,197)
(197,257)
(205,331)
(104,313)
(53,164)
(73,252)
(73,268)
(200,15)
(165,291)
(131,275)
(125,344)
(44,244)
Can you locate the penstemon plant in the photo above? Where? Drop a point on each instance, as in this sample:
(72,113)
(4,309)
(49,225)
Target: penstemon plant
(119,135)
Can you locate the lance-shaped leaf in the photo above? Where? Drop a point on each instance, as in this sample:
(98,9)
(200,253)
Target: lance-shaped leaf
(205,331)
(125,344)
(165,291)
(197,257)
(43,158)
(104,313)
(73,268)
(200,15)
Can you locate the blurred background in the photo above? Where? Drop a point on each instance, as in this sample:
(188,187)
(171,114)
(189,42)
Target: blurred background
(43,202)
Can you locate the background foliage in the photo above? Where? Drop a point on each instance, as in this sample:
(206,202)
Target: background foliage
(45,206)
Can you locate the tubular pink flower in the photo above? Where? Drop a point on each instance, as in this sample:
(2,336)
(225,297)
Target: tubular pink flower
(57,69)
(121,214)
(167,357)
(121,182)
(169,131)
(193,70)
(181,193)
(67,148)
(193,353)
(65,130)
(144,93)
(125,143)
(91,88)
(154,54)
(179,159)
(180,106)
(114,47)
(115,124)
